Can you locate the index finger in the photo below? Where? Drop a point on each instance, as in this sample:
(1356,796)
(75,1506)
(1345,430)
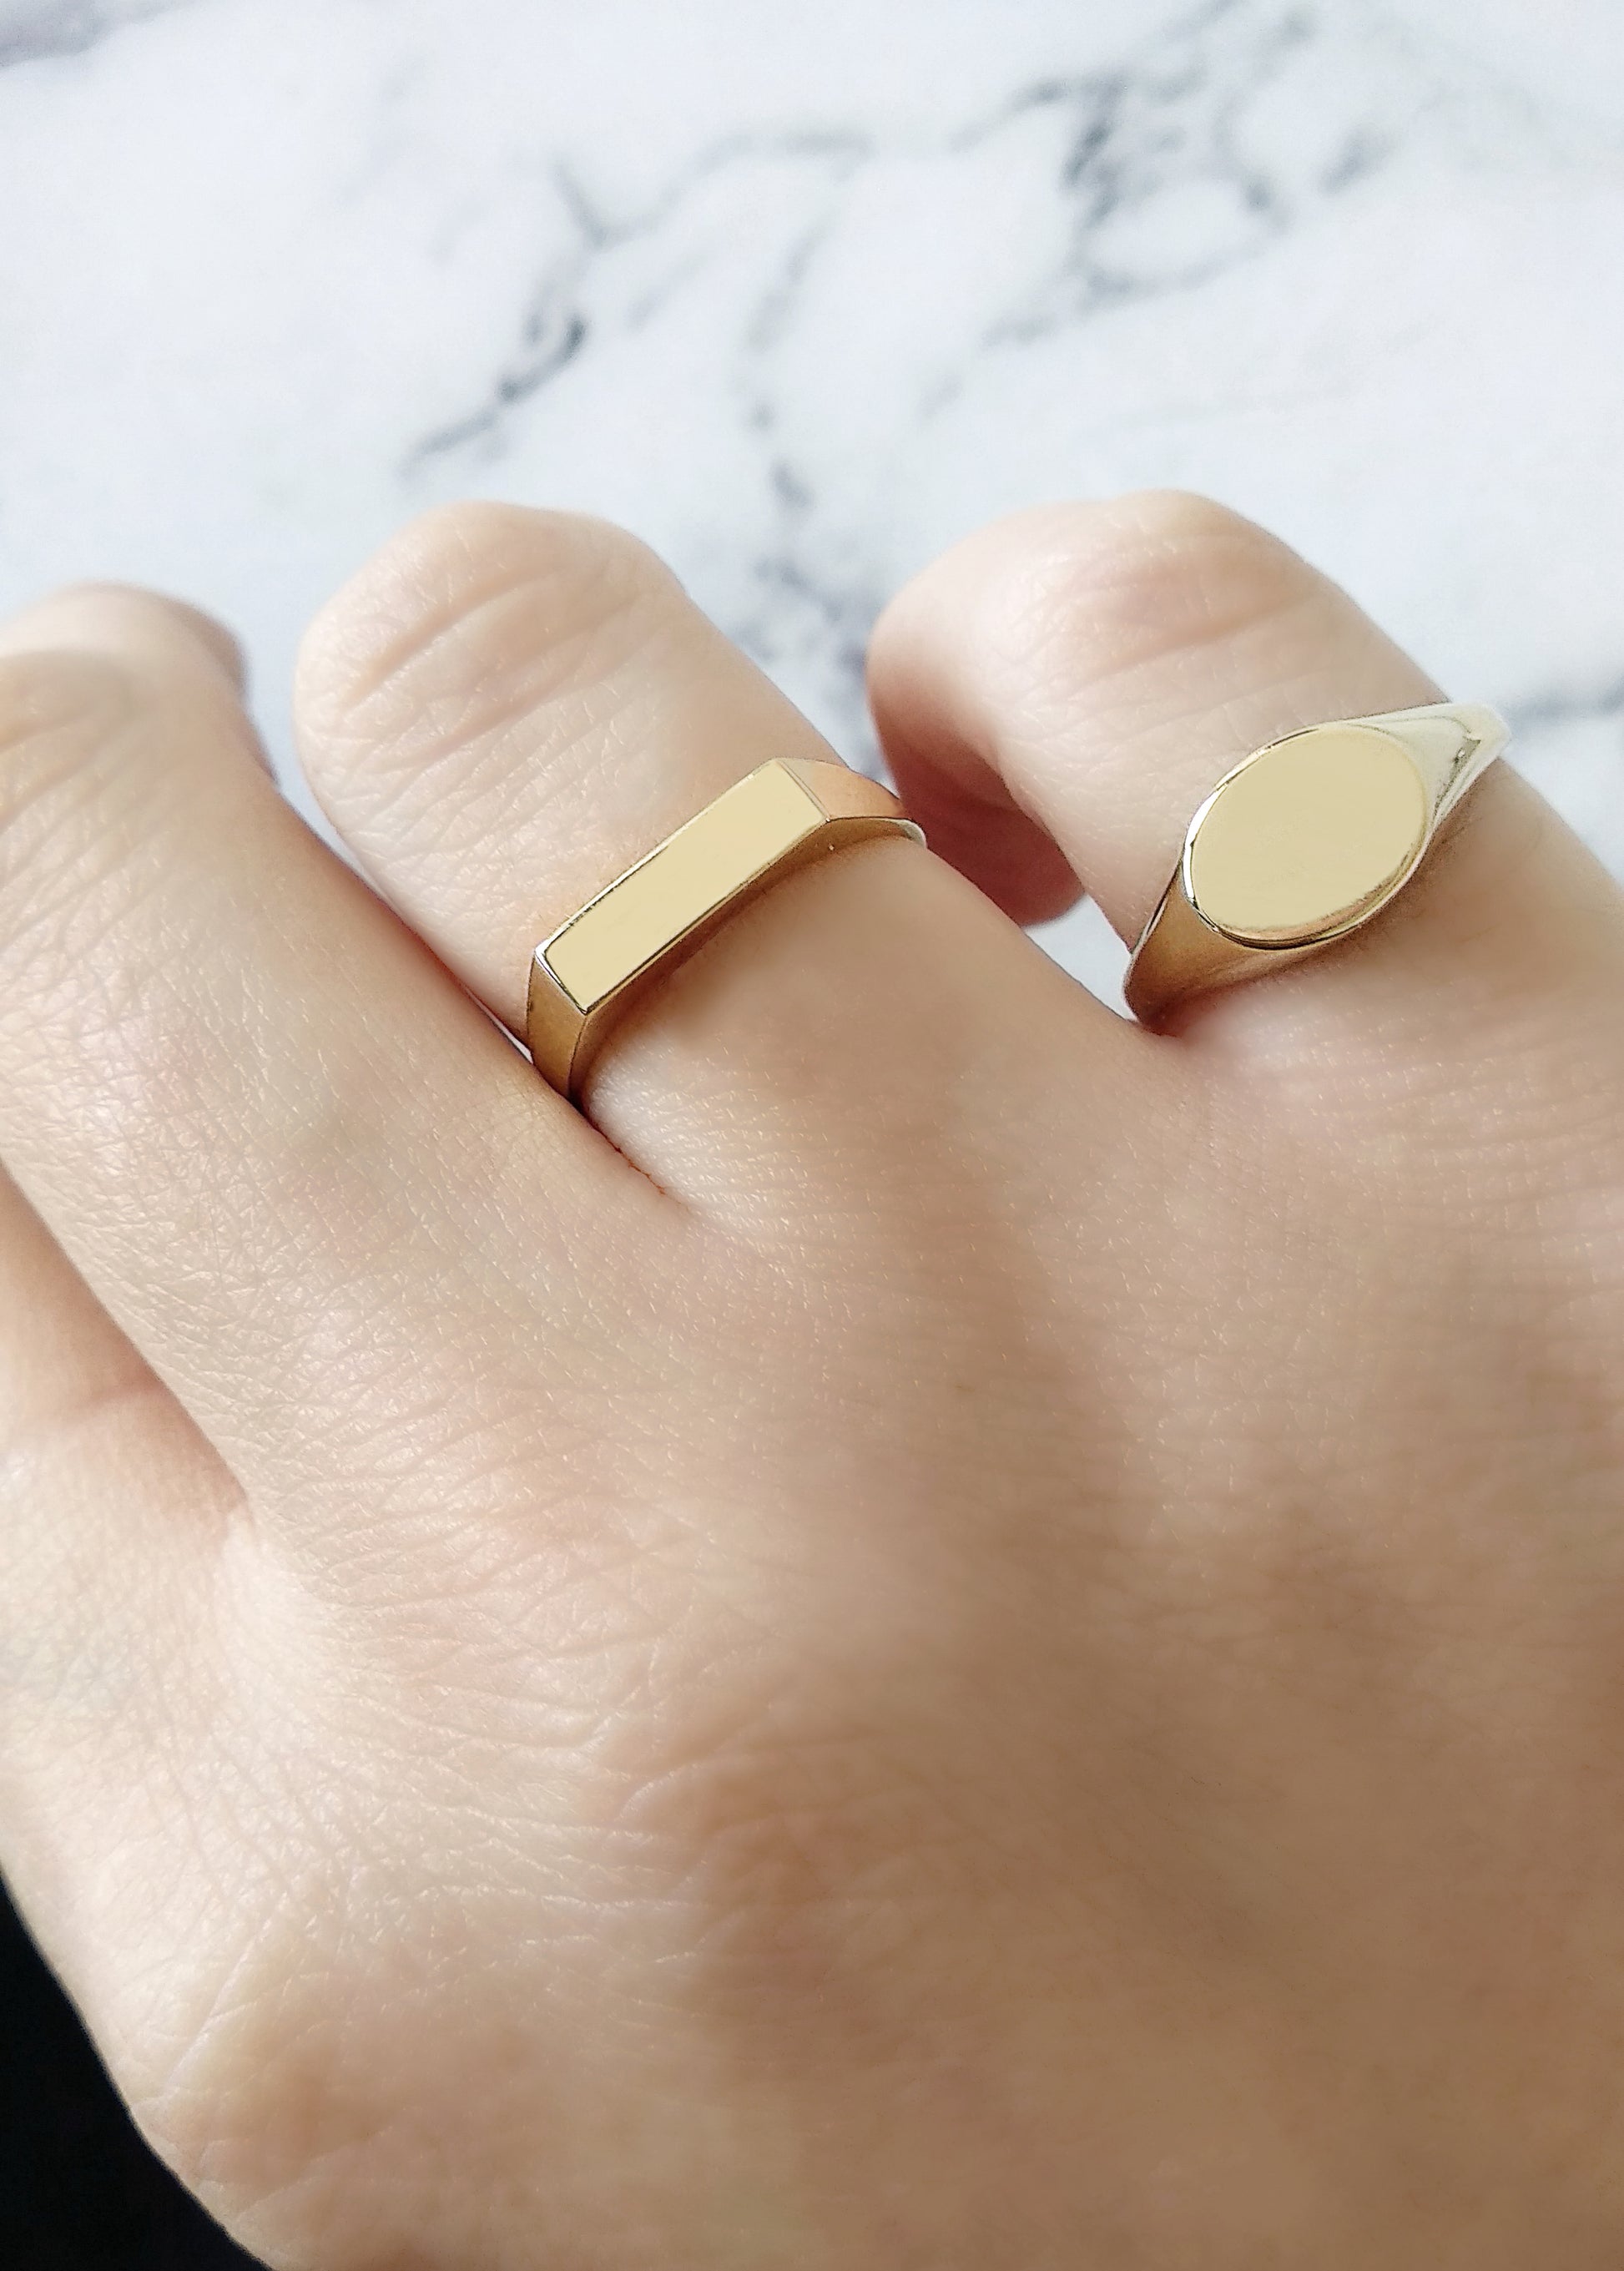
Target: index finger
(273,1133)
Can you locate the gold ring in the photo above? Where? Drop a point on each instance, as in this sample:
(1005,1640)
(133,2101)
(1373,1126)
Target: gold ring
(782,816)
(1304,842)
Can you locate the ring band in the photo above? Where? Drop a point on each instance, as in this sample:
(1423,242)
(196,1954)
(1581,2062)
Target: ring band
(1305,842)
(782,816)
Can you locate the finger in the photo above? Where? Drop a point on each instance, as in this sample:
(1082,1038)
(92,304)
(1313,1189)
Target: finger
(1105,666)
(110,1500)
(112,1509)
(507,708)
(257,1117)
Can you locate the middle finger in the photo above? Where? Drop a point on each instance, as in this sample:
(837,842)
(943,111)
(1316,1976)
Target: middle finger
(507,708)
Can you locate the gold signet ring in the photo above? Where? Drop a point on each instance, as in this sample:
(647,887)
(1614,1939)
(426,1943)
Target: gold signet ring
(782,816)
(1305,842)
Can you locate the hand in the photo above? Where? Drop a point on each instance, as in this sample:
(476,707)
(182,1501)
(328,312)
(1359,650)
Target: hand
(961,1639)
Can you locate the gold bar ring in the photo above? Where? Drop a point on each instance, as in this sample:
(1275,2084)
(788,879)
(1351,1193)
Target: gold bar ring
(1305,842)
(785,815)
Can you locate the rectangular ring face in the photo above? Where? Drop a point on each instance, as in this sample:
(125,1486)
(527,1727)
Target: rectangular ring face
(698,869)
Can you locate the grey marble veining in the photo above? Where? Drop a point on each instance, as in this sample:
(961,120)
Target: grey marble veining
(32,28)
(803,295)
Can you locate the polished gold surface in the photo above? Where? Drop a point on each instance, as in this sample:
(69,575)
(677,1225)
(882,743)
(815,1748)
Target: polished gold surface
(786,814)
(1304,842)
(1308,837)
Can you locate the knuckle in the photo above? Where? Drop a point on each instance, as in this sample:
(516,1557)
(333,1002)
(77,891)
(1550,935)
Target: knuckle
(89,802)
(473,615)
(59,711)
(1090,590)
(172,639)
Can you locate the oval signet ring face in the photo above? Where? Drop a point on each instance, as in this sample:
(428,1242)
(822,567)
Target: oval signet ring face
(1303,842)
(1308,837)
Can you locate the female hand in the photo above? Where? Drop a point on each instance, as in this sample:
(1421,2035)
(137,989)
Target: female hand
(960,1637)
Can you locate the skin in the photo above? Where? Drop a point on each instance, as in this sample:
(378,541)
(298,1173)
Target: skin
(951,1636)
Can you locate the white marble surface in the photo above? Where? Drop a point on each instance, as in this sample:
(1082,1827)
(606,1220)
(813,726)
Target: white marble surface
(803,293)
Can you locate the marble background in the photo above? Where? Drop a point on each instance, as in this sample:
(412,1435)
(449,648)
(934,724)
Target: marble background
(803,293)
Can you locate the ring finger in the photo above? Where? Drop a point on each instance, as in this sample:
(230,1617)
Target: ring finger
(1087,673)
